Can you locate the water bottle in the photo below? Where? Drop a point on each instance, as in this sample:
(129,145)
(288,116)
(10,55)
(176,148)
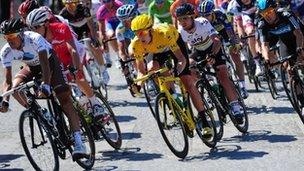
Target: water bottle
(95,74)
(215,86)
(47,116)
(177,99)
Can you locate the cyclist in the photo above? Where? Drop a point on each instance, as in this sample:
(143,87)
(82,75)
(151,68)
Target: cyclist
(63,42)
(178,3)
(160,10)
(279,24)
(107,23)
(204,39)
(39,58)
(225,29)
(124,35)
(164,42)
(244,13)
(26,7)
(81,21)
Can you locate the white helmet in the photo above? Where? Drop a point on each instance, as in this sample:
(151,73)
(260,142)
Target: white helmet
(38,17)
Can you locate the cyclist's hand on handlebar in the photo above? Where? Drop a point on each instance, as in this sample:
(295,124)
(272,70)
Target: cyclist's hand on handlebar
(44,90)
(210,59)
(4,107)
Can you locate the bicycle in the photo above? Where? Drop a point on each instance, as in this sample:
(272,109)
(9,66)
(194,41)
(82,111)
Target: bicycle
(92,70)
(219,100)
(173,114)
(110,130)
(130,74)
(39,128)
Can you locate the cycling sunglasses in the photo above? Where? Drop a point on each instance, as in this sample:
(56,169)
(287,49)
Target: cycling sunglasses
(106,1)
(10,36)
(267,12)
(205,14)
(141,33)
(183,18)
(158,2)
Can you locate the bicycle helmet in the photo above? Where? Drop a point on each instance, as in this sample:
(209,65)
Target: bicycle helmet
(206,7)
(141,22)
(37,17)
(126,11)
(27,6)
(11,26)
(185,9)
(264,4)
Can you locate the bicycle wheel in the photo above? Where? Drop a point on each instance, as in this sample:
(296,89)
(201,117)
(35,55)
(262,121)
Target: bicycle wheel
(199,128)
(111,130)
(171,126)
(37,142)
(297,88)
(212,103)
(272,85)
(88,140)
(151,90)
(241,127)
(286,85)
(103,90)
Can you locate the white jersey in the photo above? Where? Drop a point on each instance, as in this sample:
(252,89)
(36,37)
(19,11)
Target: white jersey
(200,38)
(33,43)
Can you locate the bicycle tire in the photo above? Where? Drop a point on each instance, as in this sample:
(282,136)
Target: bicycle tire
(286,85)
(85,130)
(116,144)
(161,98)
(272,86)
(212,142)
(27,114)
(215,106)
(150,99)
(298,106)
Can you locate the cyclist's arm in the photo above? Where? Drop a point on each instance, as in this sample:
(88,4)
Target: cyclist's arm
(265,50)
(299,37)
(45,67)
(7,83)
(216,43)
(102,29)
(90,24)
(140,65)
(122,50)
(74,53)
(181,59)
(240,27)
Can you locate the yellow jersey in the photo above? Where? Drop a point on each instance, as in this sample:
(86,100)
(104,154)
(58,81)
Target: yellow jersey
(164,37)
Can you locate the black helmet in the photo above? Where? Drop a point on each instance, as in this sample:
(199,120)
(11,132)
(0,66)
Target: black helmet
(11,26)
(185,9)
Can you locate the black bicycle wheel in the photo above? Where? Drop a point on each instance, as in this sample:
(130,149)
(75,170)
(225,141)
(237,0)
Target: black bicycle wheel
(111,130)
(37,142)
(168,124)
(297,88)
(212,105)
(88,140)
(151,90)
(199,128)
(286,85)
(103,90)
(244,126)
(271,85)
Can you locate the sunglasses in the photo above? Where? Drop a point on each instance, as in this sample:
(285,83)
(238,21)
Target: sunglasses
(184,18)
(158,2)
(106,1)
(142,33)
(267,12)
(10,36)
(205,14)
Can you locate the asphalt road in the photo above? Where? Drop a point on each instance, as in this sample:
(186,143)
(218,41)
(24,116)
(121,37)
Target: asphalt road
(274,140)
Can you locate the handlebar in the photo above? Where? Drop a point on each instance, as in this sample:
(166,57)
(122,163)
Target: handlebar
(150,74)
(248,36)
(27,85)
(282,60)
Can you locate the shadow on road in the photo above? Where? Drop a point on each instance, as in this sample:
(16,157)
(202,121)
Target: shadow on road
(270,109)
(104,168)
(125,118)
(261,135)
(230,152)
(128,154)
(124,103)
(5,159)
(118,87)
(130,135)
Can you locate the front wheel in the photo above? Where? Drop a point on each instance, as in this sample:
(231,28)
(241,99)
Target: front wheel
(244,126)
(171,126)
(297,91)
(110,130)
(37,142)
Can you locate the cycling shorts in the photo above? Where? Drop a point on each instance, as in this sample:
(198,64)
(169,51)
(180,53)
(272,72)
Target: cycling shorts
(198,55)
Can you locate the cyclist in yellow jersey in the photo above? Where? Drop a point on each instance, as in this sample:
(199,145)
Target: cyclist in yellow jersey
(164,41)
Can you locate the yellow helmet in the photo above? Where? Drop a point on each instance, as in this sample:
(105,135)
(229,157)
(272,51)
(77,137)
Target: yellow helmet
(141,22)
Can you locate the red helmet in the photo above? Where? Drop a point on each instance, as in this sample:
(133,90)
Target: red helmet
(27,6)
